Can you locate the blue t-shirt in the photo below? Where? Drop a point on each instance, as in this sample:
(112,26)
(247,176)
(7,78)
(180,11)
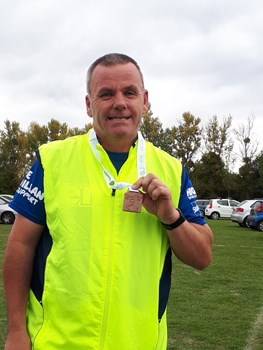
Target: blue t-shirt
(29,197)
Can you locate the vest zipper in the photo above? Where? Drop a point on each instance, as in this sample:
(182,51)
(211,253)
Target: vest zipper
(109,277)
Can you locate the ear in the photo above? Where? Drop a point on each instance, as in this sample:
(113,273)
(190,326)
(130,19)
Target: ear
(88,108)
(145,101)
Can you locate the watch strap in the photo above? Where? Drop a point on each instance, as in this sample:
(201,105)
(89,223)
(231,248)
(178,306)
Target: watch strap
(177,222)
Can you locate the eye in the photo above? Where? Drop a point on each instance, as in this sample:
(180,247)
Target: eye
(130,93)
(105,95)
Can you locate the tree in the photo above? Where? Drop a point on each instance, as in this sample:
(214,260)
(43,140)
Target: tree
(151,129)
(208,177)
(250,178)
(56,130)
(36,135)
(186,139)
(12,156)
(77,131)
(260,166)
(248,146)
(249,171)
(217,139)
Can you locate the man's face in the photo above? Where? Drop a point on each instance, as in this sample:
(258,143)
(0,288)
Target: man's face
(116,103)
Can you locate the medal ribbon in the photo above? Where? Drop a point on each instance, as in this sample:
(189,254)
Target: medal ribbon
(110,181)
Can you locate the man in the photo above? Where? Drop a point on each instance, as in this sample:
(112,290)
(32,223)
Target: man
(89,267)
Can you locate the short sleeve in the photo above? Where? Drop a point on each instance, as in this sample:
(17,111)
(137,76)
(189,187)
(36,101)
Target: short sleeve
(29,197)
(187,202)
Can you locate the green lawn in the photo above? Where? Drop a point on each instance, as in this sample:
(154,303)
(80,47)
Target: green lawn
(220,308)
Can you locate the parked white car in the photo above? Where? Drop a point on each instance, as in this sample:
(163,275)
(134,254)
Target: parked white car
(220,208)
(7,215)
(241,212)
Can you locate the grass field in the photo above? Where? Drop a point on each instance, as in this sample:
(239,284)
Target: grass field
(220,308)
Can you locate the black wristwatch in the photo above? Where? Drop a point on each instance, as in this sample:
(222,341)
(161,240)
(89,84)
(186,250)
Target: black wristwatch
(175,224)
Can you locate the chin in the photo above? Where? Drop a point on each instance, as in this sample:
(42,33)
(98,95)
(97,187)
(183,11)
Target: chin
(123,131)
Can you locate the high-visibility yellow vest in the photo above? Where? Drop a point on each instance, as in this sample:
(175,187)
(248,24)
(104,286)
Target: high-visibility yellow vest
(102,278)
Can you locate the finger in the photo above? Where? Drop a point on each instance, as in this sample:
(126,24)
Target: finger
(143,182)
(149,182)
(138,184)
(158,191)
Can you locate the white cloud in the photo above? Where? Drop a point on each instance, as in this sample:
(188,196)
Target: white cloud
(197,56)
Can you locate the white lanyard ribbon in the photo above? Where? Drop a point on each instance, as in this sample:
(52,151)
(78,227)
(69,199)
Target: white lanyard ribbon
(110,181)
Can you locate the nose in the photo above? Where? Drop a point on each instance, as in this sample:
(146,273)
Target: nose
(119,102)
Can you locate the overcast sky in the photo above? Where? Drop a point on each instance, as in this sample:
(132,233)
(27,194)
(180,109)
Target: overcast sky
(201,56)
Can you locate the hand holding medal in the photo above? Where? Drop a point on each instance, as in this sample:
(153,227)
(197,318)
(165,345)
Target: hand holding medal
(156,198)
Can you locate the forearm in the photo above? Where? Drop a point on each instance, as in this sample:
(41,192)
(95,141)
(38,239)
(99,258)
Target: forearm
(17,270)
(192,244)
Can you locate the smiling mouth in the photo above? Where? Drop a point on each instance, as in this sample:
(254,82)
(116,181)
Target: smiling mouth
(119,118)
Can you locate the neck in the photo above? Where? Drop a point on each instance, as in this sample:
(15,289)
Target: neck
(119,145)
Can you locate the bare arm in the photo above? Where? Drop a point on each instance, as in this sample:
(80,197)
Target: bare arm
(17,271)
(191,243)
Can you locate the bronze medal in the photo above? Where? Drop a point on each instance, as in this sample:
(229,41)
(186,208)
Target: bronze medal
(132,201)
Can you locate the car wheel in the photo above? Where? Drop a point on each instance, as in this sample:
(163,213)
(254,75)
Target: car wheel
(260,226)
(245,223)
(7,217)
(215,215)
